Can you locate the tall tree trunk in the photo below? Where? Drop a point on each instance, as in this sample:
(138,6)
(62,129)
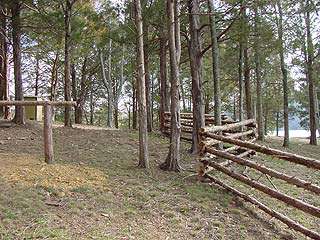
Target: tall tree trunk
(310,51)
(246,65)
(74,89)
(83,91)
(284,77)
(143,136)
(129,117)
(134,105)
(67,64)
(173,158)
(147,75)
(54,78)
(16,35)
(4,94)
(36,86)
(107,81)
(91,106)
(241,61)
(118,88)
(257,53)
(196,72)
(163,76)
(277,124)
(215,65)
(183,96)
(247,83)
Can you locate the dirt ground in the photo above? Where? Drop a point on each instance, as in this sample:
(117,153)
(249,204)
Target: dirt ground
(95,191)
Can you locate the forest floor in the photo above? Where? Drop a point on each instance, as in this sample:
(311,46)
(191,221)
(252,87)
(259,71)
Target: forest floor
(95,191)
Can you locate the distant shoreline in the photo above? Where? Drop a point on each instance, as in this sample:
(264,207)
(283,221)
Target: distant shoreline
(294,133)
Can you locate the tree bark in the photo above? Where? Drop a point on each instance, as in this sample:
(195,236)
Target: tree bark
(147,76)
(215,65)
(67,63)
(118,88)
(311,83)
(173,158)
(196,72)
(134,104)
(163,76)
(47,135)
(284,77)
(247,83)
(257,53)
(241,62)
(16,34)
(143,136)
(247,68)
(82,93)
(4,93)
(107,81)
(91,106)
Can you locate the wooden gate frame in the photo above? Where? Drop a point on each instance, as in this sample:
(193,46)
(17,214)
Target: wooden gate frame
(47,121)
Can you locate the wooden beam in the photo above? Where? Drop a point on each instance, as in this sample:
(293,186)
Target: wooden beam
(37,103)
(213,129)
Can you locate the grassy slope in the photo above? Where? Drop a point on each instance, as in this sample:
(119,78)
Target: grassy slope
(122,201)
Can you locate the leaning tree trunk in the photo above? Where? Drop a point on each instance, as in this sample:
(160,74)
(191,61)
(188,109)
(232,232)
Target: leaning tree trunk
(16,35)
(143,136)
(310,53)
(196,72)
(284,77)
(257,53)
(3,63)
(173,158)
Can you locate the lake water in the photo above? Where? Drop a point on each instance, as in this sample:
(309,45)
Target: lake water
(295,133)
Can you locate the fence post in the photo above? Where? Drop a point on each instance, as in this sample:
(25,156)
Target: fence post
(47,133)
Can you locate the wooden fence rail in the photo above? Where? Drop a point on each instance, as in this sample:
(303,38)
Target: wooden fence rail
(289,222)
(212,136)
(308,162)
(47,123)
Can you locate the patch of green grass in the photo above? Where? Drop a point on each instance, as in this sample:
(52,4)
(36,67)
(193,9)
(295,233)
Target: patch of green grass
(9,214)
(47,233)
(202,193)
(81,189)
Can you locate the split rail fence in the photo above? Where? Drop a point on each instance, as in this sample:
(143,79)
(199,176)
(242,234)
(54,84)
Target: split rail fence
(47,122)
(243,143)
(234,143)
